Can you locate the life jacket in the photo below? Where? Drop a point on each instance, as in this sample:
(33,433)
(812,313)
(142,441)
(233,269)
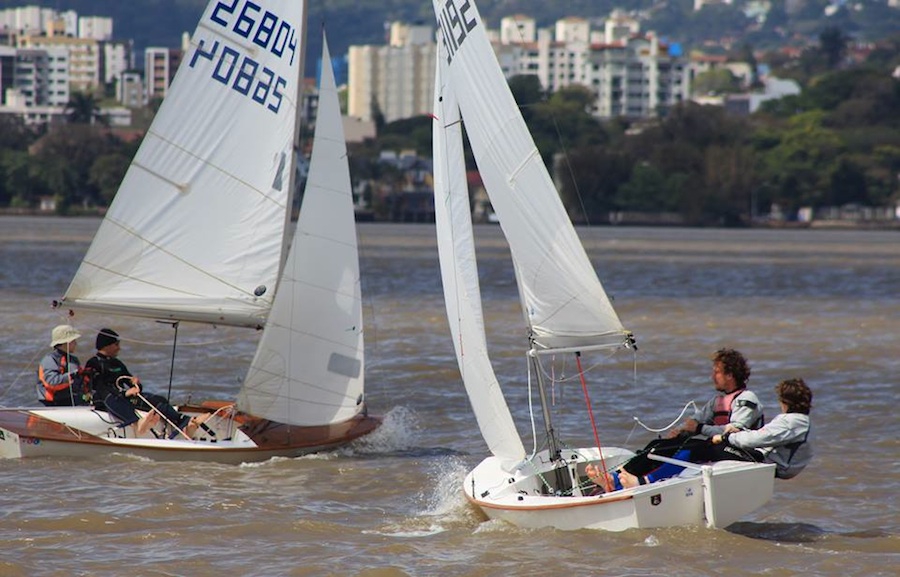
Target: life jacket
(722,407)
(793,447)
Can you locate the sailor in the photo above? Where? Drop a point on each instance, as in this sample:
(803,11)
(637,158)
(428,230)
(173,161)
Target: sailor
(120,391)
(60,380)
(784,442)
(733,403)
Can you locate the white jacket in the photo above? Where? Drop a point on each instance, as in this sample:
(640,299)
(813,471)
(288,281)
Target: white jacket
(784,441)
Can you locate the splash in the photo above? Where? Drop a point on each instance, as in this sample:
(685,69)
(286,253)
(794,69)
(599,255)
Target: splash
(396,433)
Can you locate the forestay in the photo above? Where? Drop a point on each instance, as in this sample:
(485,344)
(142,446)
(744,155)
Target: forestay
(564,303)
(196,229)
(308,369)
(460,279)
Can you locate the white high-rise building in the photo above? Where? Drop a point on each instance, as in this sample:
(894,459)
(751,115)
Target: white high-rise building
(84,58)
(117,58)
(639,78)
(631,74)
(160,65)
(518,29)
(26,19)
(96,27)
(396,80)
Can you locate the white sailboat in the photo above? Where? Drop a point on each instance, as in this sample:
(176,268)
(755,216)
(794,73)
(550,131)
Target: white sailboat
(566,311)
(197,233)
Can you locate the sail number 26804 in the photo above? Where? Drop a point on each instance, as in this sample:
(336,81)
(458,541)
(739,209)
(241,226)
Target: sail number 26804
(233,66)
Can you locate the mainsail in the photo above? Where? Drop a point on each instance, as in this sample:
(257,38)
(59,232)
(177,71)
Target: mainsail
(196,229)
(460,279)
(308,369)
(564,303)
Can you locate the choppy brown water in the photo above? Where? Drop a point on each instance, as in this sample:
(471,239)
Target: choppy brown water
(824,305)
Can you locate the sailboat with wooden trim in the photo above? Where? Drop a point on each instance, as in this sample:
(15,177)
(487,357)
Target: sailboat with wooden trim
(197,233)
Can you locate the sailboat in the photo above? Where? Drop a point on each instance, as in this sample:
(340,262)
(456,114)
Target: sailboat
(197,233)
(566,310)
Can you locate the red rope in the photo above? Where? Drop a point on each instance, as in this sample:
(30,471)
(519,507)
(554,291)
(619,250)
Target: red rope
(587,401)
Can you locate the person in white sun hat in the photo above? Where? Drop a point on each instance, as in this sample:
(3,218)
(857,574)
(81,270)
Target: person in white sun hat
(60,381)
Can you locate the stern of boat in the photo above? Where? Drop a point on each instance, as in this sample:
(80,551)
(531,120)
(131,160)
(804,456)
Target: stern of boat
(733,489)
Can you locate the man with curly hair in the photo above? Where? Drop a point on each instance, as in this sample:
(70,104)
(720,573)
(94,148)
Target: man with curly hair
(733,403)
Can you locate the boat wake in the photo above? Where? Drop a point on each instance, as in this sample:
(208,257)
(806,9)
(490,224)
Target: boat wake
(396,434)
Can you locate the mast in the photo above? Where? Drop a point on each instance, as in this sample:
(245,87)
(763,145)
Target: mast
(298,122)
(552,441)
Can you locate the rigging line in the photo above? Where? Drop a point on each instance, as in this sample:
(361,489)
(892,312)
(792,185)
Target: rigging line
(534,437)
(565,155)
(670,425)
(589,369)
(168,343)
(587,400)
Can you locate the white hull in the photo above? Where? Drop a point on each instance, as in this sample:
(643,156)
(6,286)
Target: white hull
(716,496)
(84,432)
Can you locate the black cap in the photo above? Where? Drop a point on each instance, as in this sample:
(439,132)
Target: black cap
(106,337)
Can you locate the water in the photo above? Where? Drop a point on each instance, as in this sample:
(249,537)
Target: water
(823,305)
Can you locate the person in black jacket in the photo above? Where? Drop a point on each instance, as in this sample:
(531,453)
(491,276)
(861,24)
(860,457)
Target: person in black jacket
(121,392)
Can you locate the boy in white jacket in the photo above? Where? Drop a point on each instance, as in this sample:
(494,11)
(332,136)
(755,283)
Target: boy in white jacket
(785,440)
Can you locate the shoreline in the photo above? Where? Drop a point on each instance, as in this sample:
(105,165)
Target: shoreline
(368,217)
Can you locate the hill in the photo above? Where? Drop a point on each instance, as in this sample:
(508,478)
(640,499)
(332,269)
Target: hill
(162,22)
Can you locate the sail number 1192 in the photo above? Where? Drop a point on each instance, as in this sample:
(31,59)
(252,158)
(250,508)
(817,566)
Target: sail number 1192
(456,21)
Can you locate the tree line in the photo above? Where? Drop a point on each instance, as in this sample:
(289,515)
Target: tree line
(836,143)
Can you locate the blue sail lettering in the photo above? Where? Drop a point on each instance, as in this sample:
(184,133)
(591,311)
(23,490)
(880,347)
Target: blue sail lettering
(267,30)
(245,24)
(229,58)
(456,23)
(200,53)
(222,6)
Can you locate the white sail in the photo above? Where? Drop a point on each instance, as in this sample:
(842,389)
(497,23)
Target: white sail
(460,279)
(196,229)
(564,303)
(308,369)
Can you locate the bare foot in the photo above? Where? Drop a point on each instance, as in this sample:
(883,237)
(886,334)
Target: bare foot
(627,479)
(147,422)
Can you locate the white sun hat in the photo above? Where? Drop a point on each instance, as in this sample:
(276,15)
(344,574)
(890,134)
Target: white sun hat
(63,334)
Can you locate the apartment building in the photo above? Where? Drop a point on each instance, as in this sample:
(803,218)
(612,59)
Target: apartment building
(639,78)
(631,74)
(130,89)
(84,57)
(396,80)
(160,66)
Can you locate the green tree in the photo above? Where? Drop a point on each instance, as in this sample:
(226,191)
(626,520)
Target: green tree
(596,172)
(798,168)
(82,108)
(645,191)
(22,178)
(717,81)
(107,173)
(833,45)
(77,146)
